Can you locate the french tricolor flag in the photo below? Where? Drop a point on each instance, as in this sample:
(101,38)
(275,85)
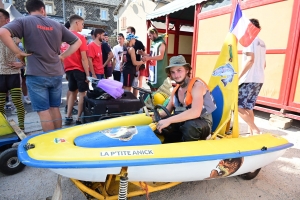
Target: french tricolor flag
(242,28)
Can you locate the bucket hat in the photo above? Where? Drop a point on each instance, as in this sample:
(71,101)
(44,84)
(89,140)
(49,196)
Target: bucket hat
(177,61)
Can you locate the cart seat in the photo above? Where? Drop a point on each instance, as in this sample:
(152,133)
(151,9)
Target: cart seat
(119,136)
(217,113)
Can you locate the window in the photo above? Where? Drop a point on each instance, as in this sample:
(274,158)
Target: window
(214,4)
(49,8)
(104,14)
(7,1)
(79,10)
(115,18)
(123,23)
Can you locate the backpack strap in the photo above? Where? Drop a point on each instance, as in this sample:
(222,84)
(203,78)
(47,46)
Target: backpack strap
(174,92)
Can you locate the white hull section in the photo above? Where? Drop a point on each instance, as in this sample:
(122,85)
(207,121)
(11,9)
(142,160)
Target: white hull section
(181,172)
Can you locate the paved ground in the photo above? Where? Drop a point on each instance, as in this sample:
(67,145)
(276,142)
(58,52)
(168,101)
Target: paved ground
(277,181)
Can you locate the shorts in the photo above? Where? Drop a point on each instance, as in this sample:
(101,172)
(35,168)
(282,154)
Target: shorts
(128,78)
(23,73)
(76,80)
(44,91)
(108,71)
(248,93)
(144,72)
(9,81)
(100,76)
(117,75)
(135,81)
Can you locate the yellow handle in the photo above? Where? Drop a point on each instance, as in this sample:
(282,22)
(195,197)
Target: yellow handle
(153,126)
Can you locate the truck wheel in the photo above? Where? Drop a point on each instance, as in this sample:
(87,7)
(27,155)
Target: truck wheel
(9,162)
(250,175)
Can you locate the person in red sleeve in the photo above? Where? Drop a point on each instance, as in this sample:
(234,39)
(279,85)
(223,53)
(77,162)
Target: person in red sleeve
(77,70)
(64,46)
(95,54)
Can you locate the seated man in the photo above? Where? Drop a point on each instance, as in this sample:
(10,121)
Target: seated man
(192,103)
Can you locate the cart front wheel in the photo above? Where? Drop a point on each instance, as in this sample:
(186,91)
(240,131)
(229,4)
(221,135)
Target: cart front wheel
(9,162)
(250,175)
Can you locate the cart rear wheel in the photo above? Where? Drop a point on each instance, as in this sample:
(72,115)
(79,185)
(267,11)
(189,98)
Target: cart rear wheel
(250,175)
(9,162)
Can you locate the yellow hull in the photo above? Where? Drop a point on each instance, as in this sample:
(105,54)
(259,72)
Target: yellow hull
(65,158)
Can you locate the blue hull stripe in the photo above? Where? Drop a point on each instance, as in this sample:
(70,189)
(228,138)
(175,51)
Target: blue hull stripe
(23,156)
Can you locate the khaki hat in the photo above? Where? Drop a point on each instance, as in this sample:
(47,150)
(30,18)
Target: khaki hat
(177,61)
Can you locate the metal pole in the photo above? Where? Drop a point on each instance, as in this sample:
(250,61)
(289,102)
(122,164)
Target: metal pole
(167,29)
(64,11)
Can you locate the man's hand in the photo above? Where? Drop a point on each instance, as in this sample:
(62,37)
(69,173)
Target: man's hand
(162,124)
(21,56)
(87,79)
(94,76)
(62,58)
(145,58)
(140,52)
(15,65)
(137,67)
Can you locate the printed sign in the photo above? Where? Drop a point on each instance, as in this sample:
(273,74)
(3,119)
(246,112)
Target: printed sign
(146,152)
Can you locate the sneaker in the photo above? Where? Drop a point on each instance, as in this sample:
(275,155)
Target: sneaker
(7,107)
(9,103)
(68,120)
(14,112)
(27,100)
(78,122)
(74,111)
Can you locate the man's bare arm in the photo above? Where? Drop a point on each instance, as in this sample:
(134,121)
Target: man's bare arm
(5,37)
(85,63)
(73,47)
(161,55)
(110,56)
(249,64)
(92,67)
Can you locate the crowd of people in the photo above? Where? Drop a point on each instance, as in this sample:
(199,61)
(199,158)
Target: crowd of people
(65,51)
(53,49)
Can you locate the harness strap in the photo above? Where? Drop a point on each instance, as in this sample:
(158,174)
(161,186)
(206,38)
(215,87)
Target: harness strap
(188,98)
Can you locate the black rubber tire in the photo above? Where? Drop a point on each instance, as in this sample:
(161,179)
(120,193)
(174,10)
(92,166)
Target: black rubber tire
(9,162)
(250,175)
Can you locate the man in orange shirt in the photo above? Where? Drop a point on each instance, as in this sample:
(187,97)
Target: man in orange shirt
(77,70)
(95,54)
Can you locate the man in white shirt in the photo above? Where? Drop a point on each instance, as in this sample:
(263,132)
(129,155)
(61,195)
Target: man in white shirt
(118,53)
(251,79)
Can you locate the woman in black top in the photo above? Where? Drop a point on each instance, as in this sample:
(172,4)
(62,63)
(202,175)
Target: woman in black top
(129,68)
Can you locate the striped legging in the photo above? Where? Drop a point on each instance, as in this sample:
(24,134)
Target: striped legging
(16,96)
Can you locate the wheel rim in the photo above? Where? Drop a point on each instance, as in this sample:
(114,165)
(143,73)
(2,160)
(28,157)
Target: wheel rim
(13,162)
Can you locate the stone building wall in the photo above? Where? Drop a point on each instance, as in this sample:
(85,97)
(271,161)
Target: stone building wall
(91,11)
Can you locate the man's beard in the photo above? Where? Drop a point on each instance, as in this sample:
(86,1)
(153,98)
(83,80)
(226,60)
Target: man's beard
(100,40)
(180,82)
(183,83)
